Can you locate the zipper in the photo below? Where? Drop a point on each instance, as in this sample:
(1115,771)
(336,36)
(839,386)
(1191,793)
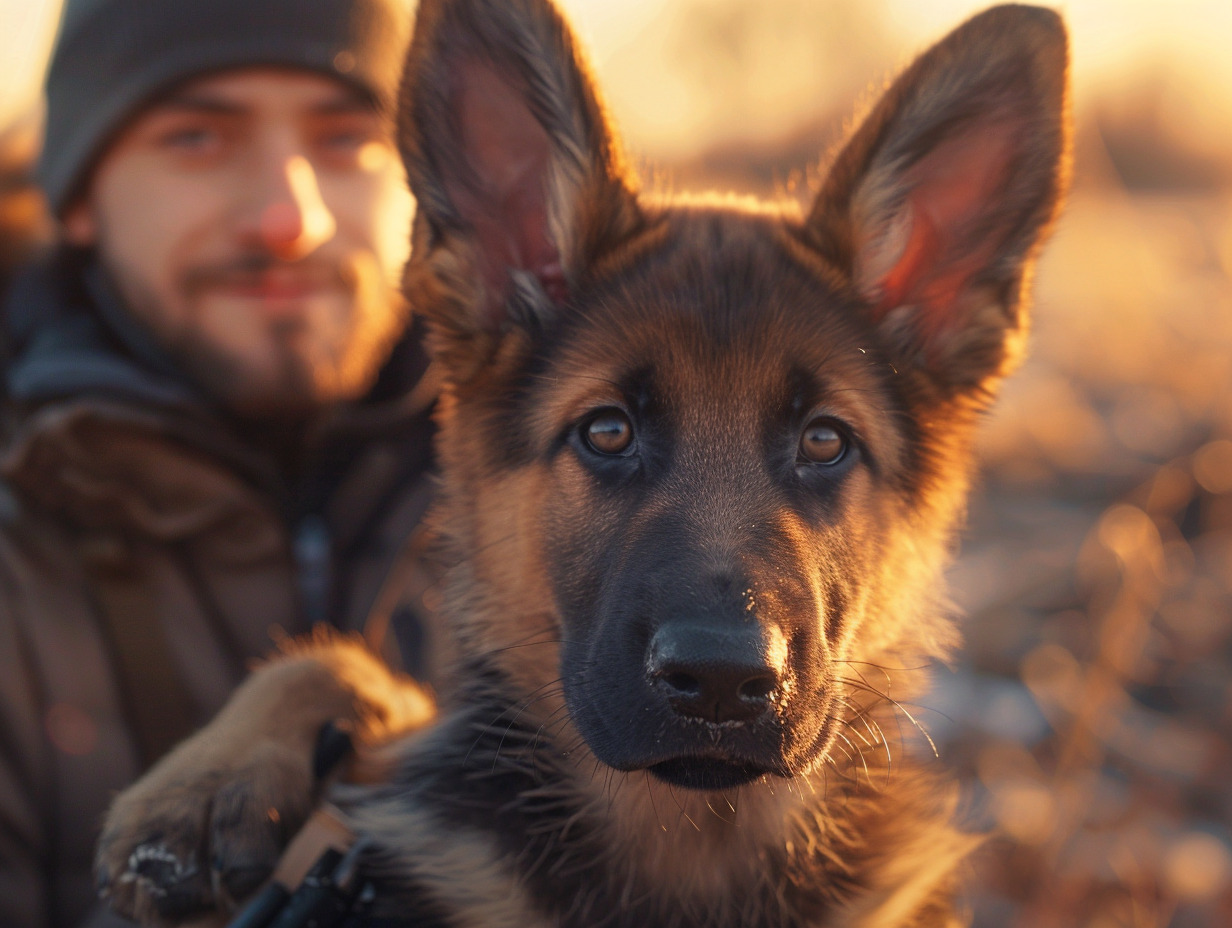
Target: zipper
(314,568)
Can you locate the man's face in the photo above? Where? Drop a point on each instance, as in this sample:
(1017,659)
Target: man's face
(256,221)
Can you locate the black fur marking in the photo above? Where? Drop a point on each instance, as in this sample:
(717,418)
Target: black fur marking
(509,444)
(409,906)
(512,783)
(550,844)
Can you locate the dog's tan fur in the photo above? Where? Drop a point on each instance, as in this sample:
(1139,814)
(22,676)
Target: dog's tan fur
(540,798)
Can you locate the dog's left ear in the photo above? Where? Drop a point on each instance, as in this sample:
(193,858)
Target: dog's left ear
(519,180)
(939,201)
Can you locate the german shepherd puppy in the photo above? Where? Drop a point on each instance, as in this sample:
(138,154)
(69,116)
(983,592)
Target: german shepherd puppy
(702,462)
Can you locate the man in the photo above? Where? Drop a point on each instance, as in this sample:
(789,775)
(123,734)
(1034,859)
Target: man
(218,415)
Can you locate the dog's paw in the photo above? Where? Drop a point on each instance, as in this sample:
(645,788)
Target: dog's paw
(204,828)
(186,840)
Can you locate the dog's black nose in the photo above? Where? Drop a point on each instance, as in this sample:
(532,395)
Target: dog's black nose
(717,674)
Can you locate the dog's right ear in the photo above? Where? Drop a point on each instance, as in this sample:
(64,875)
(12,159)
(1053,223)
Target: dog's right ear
(519,179)
(935,208)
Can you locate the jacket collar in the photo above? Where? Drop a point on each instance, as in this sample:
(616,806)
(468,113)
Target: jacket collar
(70,337)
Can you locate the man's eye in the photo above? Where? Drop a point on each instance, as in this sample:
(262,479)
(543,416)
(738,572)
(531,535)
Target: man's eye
(190,139)
(345,141)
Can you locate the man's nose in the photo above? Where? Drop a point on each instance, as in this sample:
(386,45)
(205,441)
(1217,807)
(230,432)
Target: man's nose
(292,219)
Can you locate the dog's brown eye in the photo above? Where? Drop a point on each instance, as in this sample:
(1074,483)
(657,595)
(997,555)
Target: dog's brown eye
(822,443)
(610,432)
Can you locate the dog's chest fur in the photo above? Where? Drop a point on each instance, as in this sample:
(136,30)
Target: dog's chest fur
(491,824)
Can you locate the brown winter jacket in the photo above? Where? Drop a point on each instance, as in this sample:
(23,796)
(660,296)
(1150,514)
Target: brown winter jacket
(138,529)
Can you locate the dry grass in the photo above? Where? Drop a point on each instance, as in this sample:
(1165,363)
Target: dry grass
(1092,710)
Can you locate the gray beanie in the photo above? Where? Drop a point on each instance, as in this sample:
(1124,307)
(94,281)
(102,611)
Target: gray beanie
(112,56)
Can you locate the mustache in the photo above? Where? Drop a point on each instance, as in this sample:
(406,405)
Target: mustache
(250,268)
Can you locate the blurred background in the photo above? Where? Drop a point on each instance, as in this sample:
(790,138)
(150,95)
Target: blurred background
(1091,710)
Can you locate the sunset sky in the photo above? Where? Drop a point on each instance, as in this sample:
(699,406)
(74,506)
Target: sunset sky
(784,56)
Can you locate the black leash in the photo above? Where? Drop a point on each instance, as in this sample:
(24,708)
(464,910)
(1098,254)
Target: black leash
(332,894)
(317,883)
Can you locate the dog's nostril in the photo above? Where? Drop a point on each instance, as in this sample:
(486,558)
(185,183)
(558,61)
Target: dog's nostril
(682,683)
(757,688)
(714,672)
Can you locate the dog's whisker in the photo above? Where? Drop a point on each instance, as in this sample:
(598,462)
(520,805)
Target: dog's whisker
(560,710)
(671,791)
(849,724)
(928,665)
(529,641)
(535,696)
(859,755)
(654,808)
(872,726)
(900,707)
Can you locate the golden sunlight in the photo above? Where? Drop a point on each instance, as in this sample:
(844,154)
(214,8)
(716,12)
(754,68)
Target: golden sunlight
(1090,714)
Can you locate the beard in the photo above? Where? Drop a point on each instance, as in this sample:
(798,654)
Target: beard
(268,338)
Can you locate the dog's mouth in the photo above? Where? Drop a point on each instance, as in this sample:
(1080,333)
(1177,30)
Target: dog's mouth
(706,773)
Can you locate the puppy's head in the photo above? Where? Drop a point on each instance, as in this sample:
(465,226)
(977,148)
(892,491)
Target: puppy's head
(702,459)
